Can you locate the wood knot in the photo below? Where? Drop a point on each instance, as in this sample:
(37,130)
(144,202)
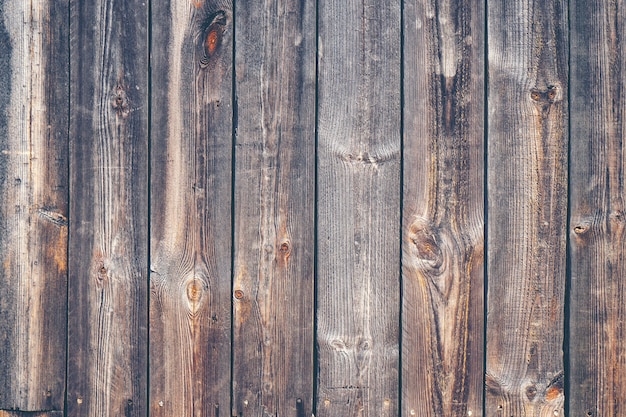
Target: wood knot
(427,248)
(194,290)
(120,101)
(212,36)
(548,95)
(531,392)
(238,294)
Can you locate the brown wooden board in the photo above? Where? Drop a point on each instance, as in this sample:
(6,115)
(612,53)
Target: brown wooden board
(597,224)
(190,267)
(527,206)
(443,253)
(33,204)
(274,208)
(358,261)
(4,413)
(107,369)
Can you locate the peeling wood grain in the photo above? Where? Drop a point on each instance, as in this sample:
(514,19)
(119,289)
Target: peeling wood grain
(442,329)
(190,278)
(33,180)
(107,369)
(358,208)
(274,208)
(527,206)
(597,223)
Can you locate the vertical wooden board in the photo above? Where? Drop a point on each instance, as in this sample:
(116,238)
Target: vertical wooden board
(33,203)
(527,206)
(274,208)
(190,278)
(443,250)
(598,246)
(108,283)
(358,318)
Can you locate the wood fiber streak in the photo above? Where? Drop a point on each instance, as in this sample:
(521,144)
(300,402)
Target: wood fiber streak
(443,254)
(107,369)
(527,206)
(33,203)
(358,269)
(597,223)
(190,271)
(274,208)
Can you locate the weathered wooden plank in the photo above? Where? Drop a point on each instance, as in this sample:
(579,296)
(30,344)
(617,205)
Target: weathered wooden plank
(108,265)
(33,203)
(443,251)
(527,206)
(358,208)
(5,413)
(597,224)
(274,208)
(190,278)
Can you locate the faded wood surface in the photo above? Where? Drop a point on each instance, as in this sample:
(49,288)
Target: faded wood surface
(358,208)
(190,271)
(442,264)
(598,265)
(527,207)
(33,204)
(274,237)
(107,350)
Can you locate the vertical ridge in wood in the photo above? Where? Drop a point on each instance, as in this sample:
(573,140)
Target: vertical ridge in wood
(597,239)
(358,208)
(527,206)
(108,238)
(190,278)
(33,203)
(443,254)
(274,209)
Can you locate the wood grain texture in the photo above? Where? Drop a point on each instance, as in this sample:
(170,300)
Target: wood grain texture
(33,203)
(190,279)
(107,369)
(443,254)
(4,413)
(527,206)
(358,208)
(274,208)
(597,224)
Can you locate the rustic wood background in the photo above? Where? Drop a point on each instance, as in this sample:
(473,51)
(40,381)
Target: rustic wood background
(288,207)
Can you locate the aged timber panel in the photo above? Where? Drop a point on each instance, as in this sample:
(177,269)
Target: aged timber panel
(190,268)
(108,266)
(358,208)
(33,203)
(598,246)
(527,207)
(442,306)
(274,208)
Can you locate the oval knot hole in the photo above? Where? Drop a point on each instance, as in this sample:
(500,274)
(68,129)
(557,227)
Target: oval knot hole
(194,291)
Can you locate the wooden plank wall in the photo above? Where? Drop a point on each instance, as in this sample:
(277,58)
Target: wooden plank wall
(296,208)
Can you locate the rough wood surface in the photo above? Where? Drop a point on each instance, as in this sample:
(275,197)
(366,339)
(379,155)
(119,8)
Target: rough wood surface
(442,305)
(4,413)
(274,208)
(33,203)
(190,278)
(107,369)
(358,208)
(527,207)
(597,225)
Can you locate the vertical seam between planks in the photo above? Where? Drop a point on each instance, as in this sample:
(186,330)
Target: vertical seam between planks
(485,195)
(568,259)
(149,211)
(234,123)
(69,220)
(401,225)
(315,350)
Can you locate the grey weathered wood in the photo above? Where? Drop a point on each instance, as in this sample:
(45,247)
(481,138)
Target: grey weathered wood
(527,206)
(274,208)
(597,224)
(33,204)
(358,208)
(442,305)
(190,301)
(107,369)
